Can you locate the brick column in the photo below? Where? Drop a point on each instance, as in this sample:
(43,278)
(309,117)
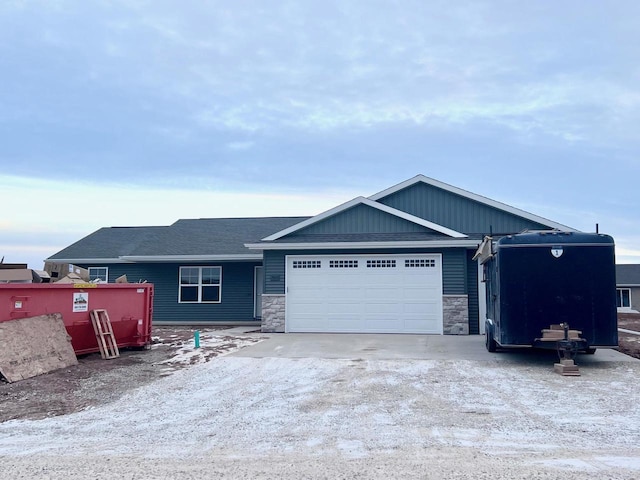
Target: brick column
(455,313)
(273,306)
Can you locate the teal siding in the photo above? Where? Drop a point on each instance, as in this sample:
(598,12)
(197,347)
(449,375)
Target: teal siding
(454,271)
(237,291)
(472,289)
(274,269)
(456,212)
(362,219)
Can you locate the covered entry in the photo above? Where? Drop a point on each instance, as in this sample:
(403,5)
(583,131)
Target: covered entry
(364,293)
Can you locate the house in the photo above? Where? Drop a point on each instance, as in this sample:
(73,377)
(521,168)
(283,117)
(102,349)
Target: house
(628,286)
(399,261)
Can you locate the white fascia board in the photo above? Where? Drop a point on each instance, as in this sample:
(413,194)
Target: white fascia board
(363,245)
(369,203)
(75,261)
(192,258)
(472,196)
(312,220)
(414,219)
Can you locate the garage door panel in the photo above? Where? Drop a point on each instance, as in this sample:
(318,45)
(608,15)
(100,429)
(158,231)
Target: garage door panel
(365,293)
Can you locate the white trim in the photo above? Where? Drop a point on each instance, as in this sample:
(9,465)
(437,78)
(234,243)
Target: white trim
(472,196)
(190,258)
(365,201)
(482,299)
(255,290)
(199,285)
(363,245)
(288,261)
(76,261)
(106,273)
(159,258)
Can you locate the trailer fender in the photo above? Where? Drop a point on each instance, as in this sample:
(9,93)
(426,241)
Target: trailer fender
(489,341)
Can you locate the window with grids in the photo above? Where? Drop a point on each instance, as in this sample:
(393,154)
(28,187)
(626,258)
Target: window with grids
(343,263)
(420,263)
(381,263)
(307,264)
(100,274)
(624,297)
(200,285)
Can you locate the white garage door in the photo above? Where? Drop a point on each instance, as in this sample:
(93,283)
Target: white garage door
(364,293)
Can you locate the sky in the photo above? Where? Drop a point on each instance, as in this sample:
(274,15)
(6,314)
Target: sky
(124,113)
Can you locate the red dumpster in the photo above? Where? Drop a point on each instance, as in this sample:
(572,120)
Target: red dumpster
(129,306)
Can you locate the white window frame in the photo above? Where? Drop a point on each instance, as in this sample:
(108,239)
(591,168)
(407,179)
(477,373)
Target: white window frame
(200,285)
(102,280)
(619,297)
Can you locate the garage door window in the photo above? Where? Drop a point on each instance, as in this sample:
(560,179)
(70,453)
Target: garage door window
(200,284)
(420,263)
(343,263)
(307,264)
(381,264)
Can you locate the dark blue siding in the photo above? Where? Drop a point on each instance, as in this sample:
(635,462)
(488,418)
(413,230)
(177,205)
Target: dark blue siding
(237,291)
(274,267)
(456,212)
(454,266)
(454,271)
(362,219)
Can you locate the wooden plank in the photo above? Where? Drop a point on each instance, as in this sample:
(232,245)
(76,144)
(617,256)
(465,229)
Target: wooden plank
(33,346)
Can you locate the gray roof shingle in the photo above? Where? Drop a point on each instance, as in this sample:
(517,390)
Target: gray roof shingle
(205,236)
(628,275)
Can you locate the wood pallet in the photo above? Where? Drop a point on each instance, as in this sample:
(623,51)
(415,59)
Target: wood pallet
(104,334)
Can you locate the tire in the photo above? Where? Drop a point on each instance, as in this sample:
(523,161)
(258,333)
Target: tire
(489,341)
(590,351)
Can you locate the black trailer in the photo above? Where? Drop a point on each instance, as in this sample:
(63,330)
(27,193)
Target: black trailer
(540,282)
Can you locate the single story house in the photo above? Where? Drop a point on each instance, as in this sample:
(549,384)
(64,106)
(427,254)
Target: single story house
(399,261)
(628,286)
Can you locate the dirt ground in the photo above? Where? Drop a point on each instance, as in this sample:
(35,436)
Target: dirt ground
(95,381)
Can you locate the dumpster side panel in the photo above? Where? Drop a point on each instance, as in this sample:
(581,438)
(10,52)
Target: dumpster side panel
(129,306)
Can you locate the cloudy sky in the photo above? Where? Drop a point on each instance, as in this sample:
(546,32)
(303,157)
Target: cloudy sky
(143,112)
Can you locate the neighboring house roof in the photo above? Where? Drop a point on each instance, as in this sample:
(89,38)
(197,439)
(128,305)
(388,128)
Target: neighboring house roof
(189,239)
(628,275)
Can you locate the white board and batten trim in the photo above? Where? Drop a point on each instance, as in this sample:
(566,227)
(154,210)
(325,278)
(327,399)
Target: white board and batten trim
(399,293)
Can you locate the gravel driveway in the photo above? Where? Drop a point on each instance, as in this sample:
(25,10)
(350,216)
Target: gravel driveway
(241,417)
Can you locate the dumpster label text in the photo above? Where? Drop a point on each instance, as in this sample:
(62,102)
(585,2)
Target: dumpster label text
(81,302)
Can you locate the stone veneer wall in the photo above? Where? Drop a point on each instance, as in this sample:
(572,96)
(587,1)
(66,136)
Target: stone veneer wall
(455,313)
(273,306)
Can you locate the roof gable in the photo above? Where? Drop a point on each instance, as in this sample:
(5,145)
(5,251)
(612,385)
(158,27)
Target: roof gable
(362,215)
(459,209)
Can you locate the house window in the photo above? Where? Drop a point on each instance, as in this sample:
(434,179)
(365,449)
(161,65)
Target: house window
(624,297)
(99,274)
(200,285)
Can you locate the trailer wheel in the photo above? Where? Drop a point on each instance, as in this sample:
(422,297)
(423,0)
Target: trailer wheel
(489,341)
(590,351)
